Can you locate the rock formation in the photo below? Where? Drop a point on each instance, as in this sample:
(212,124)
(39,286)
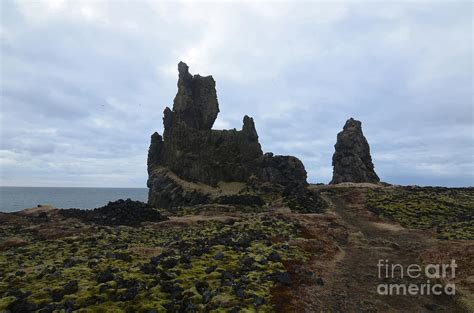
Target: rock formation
(351,160)
(188,163)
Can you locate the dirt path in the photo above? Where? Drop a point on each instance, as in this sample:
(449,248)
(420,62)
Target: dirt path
(351,278)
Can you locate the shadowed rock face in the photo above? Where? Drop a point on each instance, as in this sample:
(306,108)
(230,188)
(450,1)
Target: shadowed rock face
(192,151)
(351,160)
(195,103)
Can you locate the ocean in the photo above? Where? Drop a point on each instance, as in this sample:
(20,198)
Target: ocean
(17,198)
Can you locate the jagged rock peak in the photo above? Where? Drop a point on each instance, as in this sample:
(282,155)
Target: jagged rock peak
(183,70)
(352,161)
(196,100)
(352,123)
(249,129)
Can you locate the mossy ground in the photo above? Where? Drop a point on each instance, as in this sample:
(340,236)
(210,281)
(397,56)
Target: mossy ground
(450,211)
(210,266)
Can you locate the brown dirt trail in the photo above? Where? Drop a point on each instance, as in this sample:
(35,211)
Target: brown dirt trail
(349,272)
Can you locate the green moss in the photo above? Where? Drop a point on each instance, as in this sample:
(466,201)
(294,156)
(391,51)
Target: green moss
(50,264)
(448,210)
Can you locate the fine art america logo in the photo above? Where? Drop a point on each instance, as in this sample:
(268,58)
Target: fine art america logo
(430,276)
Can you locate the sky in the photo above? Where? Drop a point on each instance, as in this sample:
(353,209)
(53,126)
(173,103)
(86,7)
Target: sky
(84,83)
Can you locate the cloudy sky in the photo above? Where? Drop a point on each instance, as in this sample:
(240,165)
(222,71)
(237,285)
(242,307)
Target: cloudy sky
(84,84)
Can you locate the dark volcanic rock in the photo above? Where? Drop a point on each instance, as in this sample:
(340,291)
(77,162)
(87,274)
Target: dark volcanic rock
(192,153)
(240,199)
(283,170)
(351,160)
(195,103)
(120,212)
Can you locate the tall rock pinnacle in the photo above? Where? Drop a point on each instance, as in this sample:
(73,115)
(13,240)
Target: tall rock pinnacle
(196,101)
(351,160)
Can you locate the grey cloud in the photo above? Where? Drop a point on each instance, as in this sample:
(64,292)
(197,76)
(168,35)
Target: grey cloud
(84,85)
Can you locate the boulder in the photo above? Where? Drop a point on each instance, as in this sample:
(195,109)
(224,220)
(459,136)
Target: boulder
(351,160)
(282,170)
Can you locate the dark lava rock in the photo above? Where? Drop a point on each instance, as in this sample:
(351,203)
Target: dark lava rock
(71,287)
(70,262)
(21,305)
(195,103)
(130,294)
(20,273)
(274,257)
(210,269)
(240,199)
(240,292)
(105,276)
(282,278)
(166,275)
(149,268)
(104,287)
(219,256)
(191,152)
(206,297)
(258,301)
(304,200)
(120,212)
(351,160)
(201,286)
(173,289)
(169,263)
(283,170)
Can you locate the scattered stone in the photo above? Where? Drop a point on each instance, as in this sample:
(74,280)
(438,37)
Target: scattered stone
(201,286)
(282,278)
(206,296)
(274,257)
(258,301)
(70,262)
(210,269)
(149,268)
(169,263)
(105,276)
(20,273)
(71,287)
(219,256)
(130,294)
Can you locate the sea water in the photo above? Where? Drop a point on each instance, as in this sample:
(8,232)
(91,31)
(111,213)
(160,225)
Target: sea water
(18,198)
